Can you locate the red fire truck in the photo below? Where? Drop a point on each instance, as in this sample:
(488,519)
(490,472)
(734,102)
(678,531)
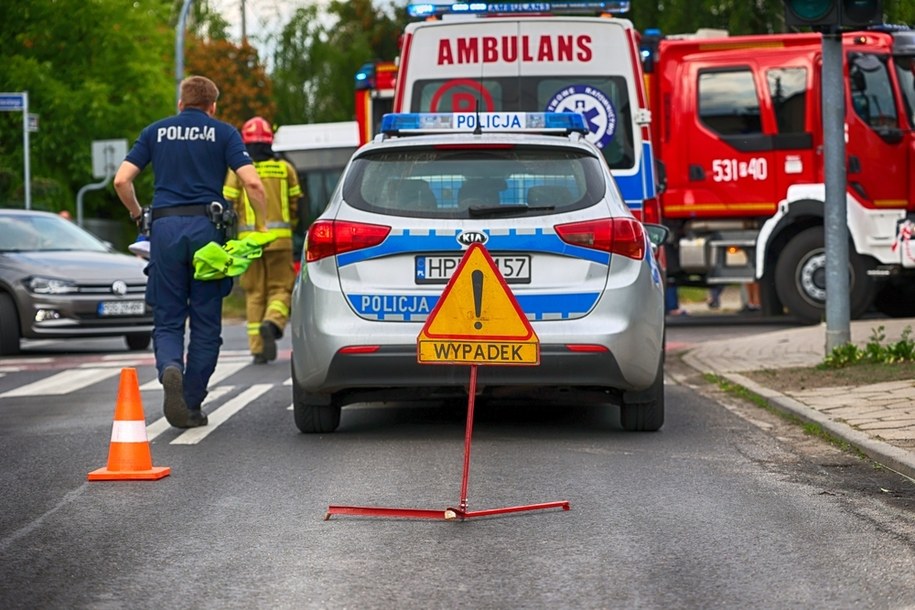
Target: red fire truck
(374,96)
(737,125)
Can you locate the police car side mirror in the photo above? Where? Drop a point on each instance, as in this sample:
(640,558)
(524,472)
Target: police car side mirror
(657,234)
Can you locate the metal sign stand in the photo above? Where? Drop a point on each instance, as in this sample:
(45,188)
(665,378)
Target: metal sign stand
(462,324)
(447,514)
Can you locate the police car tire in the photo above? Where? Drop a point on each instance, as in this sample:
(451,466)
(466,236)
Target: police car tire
(644,411)
(790,293)
(312,413)
(138,341)
(9,326)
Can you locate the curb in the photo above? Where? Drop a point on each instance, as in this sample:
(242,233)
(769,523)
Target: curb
(893,458)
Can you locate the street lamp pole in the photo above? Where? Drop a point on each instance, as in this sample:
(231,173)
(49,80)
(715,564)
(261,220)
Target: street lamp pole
(179,49)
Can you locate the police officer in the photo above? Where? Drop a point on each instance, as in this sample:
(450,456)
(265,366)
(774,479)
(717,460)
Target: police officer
(190,154)
(268,281)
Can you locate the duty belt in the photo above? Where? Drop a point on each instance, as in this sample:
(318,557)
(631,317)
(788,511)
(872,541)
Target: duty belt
(181,210)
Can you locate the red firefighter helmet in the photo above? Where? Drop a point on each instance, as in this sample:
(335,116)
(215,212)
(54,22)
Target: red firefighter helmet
(257,130)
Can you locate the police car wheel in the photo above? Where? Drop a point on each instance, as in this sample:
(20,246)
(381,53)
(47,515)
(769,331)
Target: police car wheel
(644,411)
(9,326)
(314,413)
(138,341)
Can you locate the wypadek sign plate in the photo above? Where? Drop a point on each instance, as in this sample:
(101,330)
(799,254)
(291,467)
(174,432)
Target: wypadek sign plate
(477,320)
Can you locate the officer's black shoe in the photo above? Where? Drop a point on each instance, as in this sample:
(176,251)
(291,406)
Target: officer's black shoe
(259,359)
(269,334)
(176,411)
(195,418)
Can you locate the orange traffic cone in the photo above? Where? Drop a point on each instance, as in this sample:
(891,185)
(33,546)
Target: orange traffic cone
(129,457)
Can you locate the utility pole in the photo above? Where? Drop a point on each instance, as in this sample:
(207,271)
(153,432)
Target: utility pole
(244,25)
(179,49)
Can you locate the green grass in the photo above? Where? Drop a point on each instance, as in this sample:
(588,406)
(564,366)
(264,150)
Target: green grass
(692,294)
(233,306)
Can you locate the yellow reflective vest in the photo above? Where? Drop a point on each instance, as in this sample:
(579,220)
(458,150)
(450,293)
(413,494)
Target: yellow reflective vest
(283,191)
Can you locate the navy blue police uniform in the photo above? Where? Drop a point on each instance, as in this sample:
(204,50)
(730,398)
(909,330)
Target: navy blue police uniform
(190,153)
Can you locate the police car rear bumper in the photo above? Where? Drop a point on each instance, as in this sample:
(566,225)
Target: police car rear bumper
(393,373)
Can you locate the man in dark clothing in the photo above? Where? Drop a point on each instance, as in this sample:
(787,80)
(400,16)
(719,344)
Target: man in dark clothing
(190,154)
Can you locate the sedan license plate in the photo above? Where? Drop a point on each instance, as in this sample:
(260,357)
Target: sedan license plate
(121,308)
(438,269)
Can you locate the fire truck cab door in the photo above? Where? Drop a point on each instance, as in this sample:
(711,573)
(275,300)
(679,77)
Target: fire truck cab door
(726,168)
(878,149)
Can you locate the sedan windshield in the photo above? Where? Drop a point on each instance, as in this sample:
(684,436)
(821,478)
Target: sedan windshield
(446,181)
(40,232)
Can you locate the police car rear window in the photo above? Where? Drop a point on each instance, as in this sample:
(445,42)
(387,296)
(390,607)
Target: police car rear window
(451,182)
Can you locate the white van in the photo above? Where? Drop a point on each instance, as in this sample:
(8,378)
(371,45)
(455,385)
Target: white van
(522,62)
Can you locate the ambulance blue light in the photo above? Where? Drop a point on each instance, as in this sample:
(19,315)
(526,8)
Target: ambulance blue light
(426,9)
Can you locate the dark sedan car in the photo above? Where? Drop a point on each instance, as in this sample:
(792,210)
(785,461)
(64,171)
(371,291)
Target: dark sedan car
(58,281)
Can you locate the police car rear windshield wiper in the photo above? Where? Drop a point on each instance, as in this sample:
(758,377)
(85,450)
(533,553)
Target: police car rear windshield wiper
(507,210)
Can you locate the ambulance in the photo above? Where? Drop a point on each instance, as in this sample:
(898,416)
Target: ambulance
(739,130)
(538,57)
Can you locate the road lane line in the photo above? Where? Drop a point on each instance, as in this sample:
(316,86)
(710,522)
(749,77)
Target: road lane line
(63,382)
(223,370)
(161,425)
(223,413)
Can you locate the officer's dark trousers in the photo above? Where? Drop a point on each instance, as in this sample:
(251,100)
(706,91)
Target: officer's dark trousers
(176,297)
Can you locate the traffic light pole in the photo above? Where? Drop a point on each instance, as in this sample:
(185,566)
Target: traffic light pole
(838,331)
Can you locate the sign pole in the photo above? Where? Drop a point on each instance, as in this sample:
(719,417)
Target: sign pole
(468,433)
(25,148)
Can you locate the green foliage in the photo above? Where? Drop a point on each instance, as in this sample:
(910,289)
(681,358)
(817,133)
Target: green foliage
(875,351)
(94,71)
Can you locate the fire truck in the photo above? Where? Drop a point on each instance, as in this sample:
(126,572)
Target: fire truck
(374,96)
(737,124)
(554,57)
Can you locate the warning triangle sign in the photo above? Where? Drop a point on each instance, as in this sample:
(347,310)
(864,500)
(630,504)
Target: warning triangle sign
(478,305)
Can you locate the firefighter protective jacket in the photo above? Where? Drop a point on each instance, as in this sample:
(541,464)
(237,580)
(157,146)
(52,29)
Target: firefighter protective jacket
(283,191)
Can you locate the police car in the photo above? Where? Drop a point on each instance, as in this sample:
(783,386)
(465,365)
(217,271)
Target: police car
(532,191)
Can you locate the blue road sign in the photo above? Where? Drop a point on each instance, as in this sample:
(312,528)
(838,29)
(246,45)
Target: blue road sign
(10,102)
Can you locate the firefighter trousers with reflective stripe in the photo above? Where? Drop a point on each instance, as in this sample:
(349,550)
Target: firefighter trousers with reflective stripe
(176,297)
(268,291)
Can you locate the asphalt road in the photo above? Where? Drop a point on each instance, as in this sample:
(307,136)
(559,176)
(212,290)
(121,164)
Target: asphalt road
(721,508)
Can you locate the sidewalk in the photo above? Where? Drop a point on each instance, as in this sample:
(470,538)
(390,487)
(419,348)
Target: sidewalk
(878,419)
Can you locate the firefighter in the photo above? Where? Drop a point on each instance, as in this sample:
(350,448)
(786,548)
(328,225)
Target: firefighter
(190,154)
(268,281)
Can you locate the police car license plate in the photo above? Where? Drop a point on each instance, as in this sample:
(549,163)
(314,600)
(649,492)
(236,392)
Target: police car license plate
(515,268)
(121,308)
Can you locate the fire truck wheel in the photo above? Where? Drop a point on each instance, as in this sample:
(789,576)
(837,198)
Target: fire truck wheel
(896,299)
(800,278)
(644,411)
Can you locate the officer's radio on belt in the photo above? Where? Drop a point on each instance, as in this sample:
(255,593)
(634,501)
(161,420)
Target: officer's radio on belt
(223,216)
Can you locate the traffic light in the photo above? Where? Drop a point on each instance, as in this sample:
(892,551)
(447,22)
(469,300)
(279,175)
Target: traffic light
(861,13)
(812,13)
(831,14)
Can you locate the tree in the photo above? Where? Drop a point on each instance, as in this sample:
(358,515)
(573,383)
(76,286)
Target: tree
(245,88)
(94,71)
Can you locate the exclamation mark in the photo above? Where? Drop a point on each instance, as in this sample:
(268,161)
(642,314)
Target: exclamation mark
(476,278)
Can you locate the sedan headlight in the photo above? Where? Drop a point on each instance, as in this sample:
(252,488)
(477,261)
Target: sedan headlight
(47,285)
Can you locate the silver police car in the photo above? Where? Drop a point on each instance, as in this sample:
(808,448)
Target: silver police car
(540,198)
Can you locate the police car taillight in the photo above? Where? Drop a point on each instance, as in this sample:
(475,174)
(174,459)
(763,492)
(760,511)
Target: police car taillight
(623,236)
(427,9)
(469,122)
(331,237)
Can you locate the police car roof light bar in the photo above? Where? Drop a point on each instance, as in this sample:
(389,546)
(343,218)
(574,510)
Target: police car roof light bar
(502,122)
(429,9)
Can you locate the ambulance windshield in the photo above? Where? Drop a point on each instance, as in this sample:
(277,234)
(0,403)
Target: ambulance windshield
(603,100)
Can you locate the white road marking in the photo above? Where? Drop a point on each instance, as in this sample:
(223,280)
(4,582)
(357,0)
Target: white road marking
(63,382)
(223,413)
(223,370)
(161,425)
